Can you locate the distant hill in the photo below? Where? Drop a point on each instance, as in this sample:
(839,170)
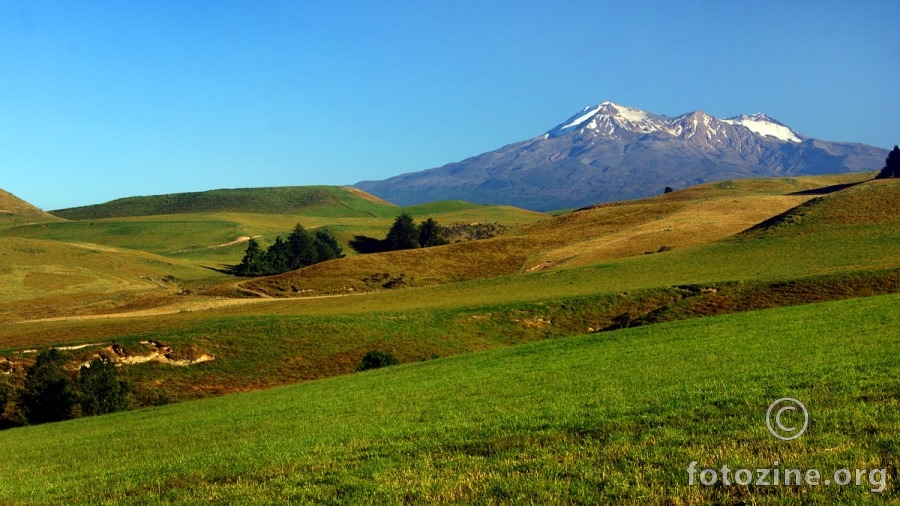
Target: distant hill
(310,200)
(12,205)
(612,152)
(681,219)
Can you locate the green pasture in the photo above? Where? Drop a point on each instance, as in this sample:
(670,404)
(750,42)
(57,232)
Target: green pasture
(607,418)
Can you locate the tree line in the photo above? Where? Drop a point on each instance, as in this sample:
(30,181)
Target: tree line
(404,234)
(299,250)
(50,394)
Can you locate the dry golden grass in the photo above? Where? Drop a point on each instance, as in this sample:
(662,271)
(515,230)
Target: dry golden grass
(681,219)
(10,204)
(698,223)
(50,278)
(366,196)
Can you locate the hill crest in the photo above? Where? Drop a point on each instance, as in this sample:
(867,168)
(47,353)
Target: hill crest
(12,205)
(264,200)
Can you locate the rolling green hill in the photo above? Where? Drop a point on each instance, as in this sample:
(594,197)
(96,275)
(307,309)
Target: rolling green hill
(710,214)
(310,200)
(609,418)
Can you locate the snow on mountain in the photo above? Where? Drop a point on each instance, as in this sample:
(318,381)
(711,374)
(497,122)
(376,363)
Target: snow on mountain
(766,126)
(608,118)
(610,152)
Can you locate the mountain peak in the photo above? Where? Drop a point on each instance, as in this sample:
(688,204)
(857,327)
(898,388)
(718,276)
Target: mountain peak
(607,119)
(766,126)
(609,151)
(612,120)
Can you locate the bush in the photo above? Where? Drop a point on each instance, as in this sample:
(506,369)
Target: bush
(48,395)
(375,360)
(101,390)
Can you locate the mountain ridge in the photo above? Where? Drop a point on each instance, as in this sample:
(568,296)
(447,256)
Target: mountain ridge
(612,152)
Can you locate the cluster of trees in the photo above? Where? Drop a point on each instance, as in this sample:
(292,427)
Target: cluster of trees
(891,165)
(50,394)
(299,250)
(404,234)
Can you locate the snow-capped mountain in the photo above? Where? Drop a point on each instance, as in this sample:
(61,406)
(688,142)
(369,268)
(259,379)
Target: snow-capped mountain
(612,152)
(627,123)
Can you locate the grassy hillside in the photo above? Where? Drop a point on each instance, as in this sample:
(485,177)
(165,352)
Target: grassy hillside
(10,204)
(15,211)
(48,278)
(609,418)
(328,200)
(820,258)
(627,229)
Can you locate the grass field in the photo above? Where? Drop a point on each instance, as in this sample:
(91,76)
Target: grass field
(499,399)
(614,417)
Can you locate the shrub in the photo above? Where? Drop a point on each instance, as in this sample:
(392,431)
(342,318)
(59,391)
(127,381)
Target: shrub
(48,395)
(101,390)
(375,360)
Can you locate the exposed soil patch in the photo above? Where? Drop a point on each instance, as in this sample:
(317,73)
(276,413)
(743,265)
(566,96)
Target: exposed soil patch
(159,352)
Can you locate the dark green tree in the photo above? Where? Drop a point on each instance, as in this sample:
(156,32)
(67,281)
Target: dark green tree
(48,395)
(254,259)
(101,390)
(403,234)
(327,246)
(430,234)
(375,360)
(668,189)
(891,165)
(278,257)
(302,248)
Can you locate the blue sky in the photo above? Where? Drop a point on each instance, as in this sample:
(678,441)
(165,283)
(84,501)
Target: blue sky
(101,100)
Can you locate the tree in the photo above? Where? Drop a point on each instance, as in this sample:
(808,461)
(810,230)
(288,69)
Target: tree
(430,234)
(668,189)
(403,234)
(327,246)
(48,395)
(101,390)
(254,258)
(302,248)
(375,360)
(278,257)
(891,165)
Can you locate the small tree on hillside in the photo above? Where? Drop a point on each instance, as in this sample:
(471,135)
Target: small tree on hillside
(403,234)
(101,390)
(668,189)
(278,256)
(327,246)
(48,395)
(891,165)
(302,248)
(254,259)
(430,234)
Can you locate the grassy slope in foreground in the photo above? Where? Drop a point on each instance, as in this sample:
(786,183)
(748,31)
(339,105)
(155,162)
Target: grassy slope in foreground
(596,419)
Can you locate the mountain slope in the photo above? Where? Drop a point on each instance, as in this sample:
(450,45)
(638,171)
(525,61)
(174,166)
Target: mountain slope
(613,152)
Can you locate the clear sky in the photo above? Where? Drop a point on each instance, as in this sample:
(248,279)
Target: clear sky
(101,100)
